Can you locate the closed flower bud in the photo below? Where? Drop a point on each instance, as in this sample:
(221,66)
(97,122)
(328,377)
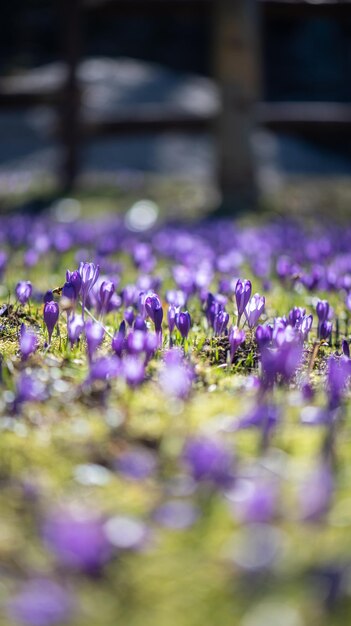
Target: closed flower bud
(242,296)
(183,323)
(51,315)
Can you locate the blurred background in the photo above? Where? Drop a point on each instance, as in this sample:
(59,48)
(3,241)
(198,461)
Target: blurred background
(239,99)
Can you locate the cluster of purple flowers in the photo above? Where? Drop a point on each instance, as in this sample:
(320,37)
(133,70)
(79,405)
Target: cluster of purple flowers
(154,328)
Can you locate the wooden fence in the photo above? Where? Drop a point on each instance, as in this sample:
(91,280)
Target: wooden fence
(236,68)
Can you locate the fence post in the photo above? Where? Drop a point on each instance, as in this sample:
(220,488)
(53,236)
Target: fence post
(236,68)
(71,28)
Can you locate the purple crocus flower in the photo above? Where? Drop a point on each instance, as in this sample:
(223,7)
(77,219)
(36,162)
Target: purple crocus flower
(325,330)
(214,306)
(323,313)
(106,292)
(236,338)
(119,340)
(254,309)
(171,315)
(41,602)
(94,333)
(75,327)
(23,291)
(281,362)
(78,540)
(51,315)
(89,273)
(304,326)
(28,342)
(322,310)
(153,309)
(296,315)
(220,322)
(264,335)
(75,279)
(68,291)
(209,461)
(183,323)
(242,296)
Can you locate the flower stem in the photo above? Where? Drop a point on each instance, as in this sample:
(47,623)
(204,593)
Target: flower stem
(96,321)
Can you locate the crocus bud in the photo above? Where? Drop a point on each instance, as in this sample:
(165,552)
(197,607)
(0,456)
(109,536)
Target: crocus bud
(236,338)
(183,323)
(153,308)
(51,315)
(23,291)
(322,310)
(242,296)
(94,335)
(106,292)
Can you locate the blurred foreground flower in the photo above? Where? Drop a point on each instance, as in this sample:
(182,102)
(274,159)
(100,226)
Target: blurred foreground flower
(28,342)
(23,291)
(209,461)
(77,539)
(41,602)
